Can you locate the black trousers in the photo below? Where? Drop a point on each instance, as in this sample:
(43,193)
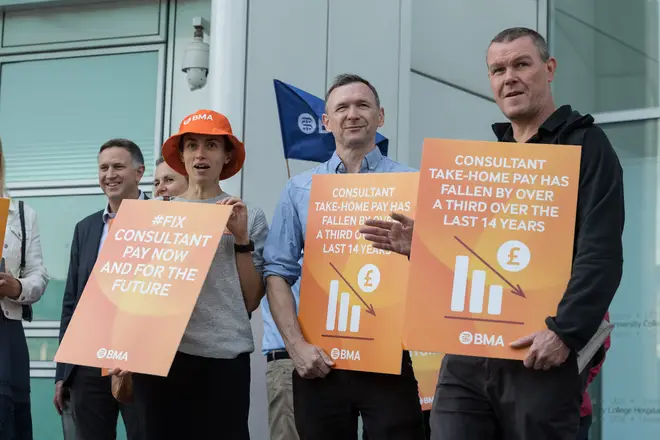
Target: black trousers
(585,425)
(427,428)
(96,410)
(15,412)
(328,408)
(201,399)
(15,419)
(498,399)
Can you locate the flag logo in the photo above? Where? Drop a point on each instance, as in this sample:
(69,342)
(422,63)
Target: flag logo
(306,123)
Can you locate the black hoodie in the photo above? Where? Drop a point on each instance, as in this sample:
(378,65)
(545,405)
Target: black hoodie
(597,249)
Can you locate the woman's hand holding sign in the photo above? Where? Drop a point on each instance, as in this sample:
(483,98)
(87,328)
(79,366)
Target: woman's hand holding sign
(238,220)
(393,236)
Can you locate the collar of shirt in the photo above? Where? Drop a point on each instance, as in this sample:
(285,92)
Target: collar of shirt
(504,130)
(107,214)
(369,163)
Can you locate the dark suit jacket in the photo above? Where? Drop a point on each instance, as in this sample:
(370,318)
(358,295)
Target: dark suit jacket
(84,251)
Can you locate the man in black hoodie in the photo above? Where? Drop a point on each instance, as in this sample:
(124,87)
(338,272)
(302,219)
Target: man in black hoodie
(538,399)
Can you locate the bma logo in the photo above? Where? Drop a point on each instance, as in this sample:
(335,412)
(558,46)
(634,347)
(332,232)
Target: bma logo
(104,353)
(426,400)
(350,355)
(205,117)
(465,338)
(481,339)
(307,123)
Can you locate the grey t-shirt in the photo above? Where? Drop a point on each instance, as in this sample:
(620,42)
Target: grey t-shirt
(219,326)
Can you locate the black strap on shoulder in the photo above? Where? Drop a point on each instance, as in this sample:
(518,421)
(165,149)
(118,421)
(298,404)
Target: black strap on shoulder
(21,213)
(27,310)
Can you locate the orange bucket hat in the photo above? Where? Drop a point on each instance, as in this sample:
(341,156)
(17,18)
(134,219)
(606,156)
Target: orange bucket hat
(210,123)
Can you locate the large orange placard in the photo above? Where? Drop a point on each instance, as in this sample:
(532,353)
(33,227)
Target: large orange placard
(492,246)
(427,369)
(144,286)
(351,294)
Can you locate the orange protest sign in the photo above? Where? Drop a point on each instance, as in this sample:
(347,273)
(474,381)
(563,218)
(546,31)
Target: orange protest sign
(427,369)
(492,245)
(4,214)
(144,286)
(351,294)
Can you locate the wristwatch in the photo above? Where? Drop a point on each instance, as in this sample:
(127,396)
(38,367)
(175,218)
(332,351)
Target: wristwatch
(244,248)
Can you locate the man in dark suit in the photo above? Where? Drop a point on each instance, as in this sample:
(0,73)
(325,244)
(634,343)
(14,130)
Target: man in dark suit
(95,410)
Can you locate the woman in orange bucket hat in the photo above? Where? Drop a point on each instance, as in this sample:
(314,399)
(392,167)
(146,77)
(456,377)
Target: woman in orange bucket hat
(207,391)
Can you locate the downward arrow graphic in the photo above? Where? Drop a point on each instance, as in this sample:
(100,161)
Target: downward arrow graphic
(516,290)
(369,307)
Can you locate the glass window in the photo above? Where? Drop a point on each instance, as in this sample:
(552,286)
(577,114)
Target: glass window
(630,378)
(56,113)
(57,217)
(89,23)
(607,53)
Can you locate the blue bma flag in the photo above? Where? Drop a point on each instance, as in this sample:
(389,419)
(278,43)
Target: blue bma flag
(303,134)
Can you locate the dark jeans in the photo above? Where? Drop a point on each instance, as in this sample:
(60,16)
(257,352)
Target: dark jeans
(15,415)
(201,399)
(95,408)
(498,399)
(585,424)
(15,420)
(329,408)
(68,420)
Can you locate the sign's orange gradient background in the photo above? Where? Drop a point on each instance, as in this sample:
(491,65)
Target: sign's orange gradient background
(148,327)
(4,214)
(383,353)
(434,251)
(427,369)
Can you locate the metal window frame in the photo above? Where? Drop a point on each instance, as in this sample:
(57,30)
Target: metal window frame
(164,44)
(160,37)
(606,119)
(546,7)
(163,99)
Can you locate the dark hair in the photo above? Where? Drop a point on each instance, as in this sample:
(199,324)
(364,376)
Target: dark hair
(160,160)
(350,78)
(130,146)
(511,34)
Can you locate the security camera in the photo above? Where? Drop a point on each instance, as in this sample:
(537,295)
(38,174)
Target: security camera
(196,58)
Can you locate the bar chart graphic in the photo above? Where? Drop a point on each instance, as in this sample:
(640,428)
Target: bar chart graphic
(342,324)
(342,316)
(483,299)
(477,290)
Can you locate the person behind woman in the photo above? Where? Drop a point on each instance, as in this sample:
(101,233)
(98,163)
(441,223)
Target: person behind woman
(167,182)
(20,285)
(206,394)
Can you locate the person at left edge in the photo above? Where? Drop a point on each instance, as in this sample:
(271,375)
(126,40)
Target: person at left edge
(206,394)
(19,285)
(95,410)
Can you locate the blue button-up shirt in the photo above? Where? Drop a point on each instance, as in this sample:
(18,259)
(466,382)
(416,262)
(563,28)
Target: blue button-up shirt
(284,246)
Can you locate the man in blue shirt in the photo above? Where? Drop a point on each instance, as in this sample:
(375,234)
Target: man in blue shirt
(327,402)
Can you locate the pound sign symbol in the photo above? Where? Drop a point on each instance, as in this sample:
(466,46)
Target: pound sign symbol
(513,257)
(367,278)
